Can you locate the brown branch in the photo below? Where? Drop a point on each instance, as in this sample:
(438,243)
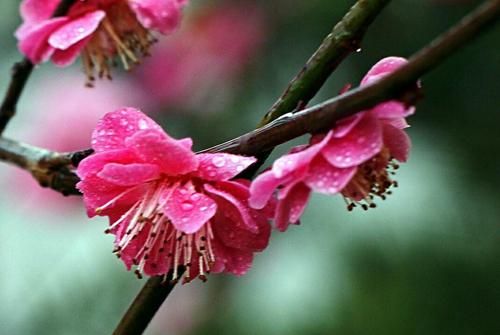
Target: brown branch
(312,120)
(21,71)
(344,39)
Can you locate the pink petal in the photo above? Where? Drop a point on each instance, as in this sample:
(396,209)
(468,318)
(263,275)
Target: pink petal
(37,10)
(221,166)
(239,205)
(327,179)
(344,126)
(95,162)
(97,192)
(398,142)
(129,174)
(76,30)
(114,127)
(189,210)
(160,15)
(231,260)
(399,123)
(262,189)
(66,57)
(34,43)
(171,155)
(362,143)
(291,163)
(292,205)
(391,109)
(383,67)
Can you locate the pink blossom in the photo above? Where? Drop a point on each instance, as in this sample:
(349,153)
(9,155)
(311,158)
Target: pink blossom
(355,159)
(205,56)
(100,30)
(169,207)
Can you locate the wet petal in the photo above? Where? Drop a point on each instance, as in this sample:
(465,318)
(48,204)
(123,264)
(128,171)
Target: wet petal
(221,166)
(398,142)
(34,43)
(238,203)
(76,30)
(291,205)
(327,179)
(171,155)
(95,162)
(232,260)
(362,143)
(113,128)
(383,67)
(66,57)
(262,189)
(291,163)
(189,210)
(129,174)
(160,15)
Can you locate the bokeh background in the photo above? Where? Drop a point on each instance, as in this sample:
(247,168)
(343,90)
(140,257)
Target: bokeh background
(426,261)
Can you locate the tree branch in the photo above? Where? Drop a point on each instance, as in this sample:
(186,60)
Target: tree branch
(21,71)
(344,39)
(312,120)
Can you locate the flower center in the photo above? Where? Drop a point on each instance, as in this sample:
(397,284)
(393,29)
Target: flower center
(119,35)
(371,180)
(148,238)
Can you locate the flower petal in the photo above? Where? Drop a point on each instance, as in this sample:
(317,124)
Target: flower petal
(292,205)
(398,142)
(95,162)
(66,57)
(221,166)
(34,43)
(362,143)
(114,127)
(383,67)
(392,109)
(327,179)
(262,189)
(129,174)
(226,193)
(76,30)
(160,15)
(231,260)
(189,210)
(171,155)
(291,163)
(35,11)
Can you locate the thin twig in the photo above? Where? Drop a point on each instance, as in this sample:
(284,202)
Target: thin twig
(144,307)
(316,119)
(344,39)
(21,71)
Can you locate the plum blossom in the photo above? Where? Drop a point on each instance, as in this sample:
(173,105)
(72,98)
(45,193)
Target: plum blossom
(99,30)
(200,64)
(169,207)
(356,158)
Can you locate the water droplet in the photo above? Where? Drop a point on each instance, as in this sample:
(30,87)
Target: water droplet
(359,50)
(235,159)
(219,161)
(185,219)
(203,208)
(195,196)
(143,124)
(187,206)
(123,122)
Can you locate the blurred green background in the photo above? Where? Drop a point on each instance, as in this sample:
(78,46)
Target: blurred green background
(424,262)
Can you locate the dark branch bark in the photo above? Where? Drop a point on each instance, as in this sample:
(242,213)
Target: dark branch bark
(21,71)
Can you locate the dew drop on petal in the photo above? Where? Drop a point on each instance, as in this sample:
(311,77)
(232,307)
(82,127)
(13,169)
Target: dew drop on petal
(219,161)
(143,124)
(187,206)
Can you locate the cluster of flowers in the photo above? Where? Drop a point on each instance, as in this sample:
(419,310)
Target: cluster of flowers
(171,208)
(99,30)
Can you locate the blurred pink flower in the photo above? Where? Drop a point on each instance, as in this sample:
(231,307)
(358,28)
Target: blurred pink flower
(62,119)
(98,29)
(203,59)
(354,158)
(169,207)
